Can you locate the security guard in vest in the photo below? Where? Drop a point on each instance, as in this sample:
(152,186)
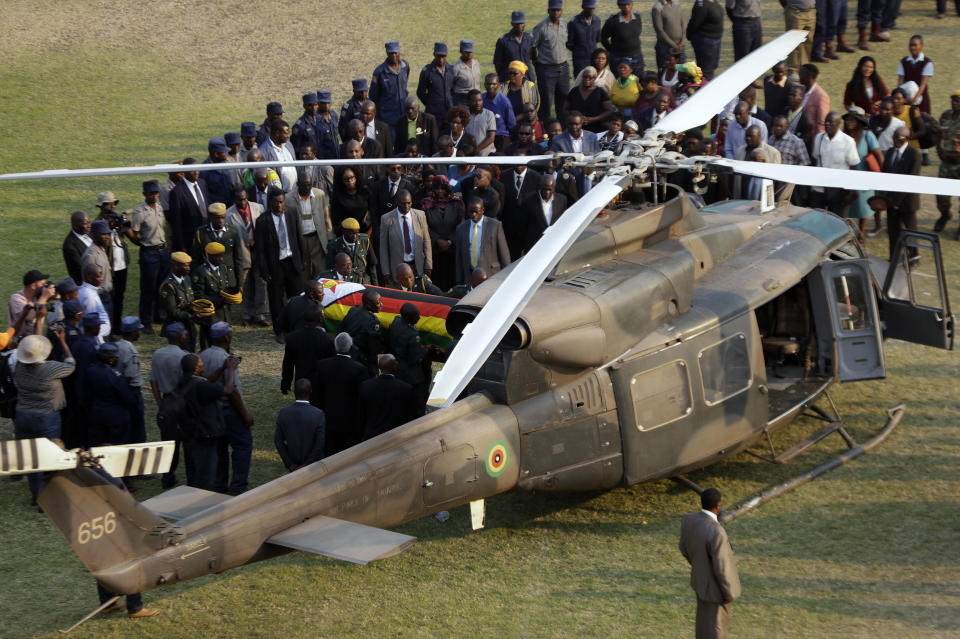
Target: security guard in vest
(357,246)
(176,298)
(209,281)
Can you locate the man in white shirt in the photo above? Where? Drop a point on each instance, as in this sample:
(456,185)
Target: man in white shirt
(833,149)
(313,208)
(278,148)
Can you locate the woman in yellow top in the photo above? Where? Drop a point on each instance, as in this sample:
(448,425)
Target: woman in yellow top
(625,90)
(518,90)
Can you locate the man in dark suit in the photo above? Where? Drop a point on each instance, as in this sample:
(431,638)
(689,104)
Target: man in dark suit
(424,125)
(76,243)
(479,242)
(713,568)
(374,129)
(337,392)
(650,117)
(189,200)
(304,348)
(902,159)
(300,435)
(385,401)
(540,210)
(575,139)
(518,183)
(280,253)
(383,194)
(356,130)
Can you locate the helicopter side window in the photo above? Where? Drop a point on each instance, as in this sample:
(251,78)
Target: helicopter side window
(850,300)
(661,395)
(725,369)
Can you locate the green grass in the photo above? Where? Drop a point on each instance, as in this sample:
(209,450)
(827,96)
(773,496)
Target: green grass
(866,551)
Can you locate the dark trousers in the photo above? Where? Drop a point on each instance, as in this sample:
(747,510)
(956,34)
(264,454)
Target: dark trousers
(942,6)
(138,428)
(870,11)
(339,440)
(283,284)
(746,36)
(897,220)
(119,288)
(707,53)
(554,85)
(154,268)
(169,479)
(661,52)
(892,11)
(134,602)
(202,456)
(107,300)
(240,441)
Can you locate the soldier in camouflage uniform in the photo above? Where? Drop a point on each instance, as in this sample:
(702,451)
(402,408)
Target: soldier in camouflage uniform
(217,230)
(364,327)
(209,279)
(176,298)
(357,246)
(949,152)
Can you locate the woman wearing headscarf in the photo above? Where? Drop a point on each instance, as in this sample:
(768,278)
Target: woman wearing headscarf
(518,89)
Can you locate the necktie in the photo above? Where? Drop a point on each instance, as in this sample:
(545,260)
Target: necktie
(896,157)
(519,183)
(393,189)
(282,234)
(475,246)
(407,240)
(200,202)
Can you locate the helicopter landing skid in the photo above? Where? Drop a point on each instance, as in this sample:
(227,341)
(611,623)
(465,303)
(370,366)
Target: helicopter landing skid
(894,416)
(834,425)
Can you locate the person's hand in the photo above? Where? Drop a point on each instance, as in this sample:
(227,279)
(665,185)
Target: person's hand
(248,420)
(59,332)
(46,293)
(233,363)
(428,272)
(444,244)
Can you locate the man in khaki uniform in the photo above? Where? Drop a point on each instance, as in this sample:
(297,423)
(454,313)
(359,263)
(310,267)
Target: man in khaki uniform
(713,569)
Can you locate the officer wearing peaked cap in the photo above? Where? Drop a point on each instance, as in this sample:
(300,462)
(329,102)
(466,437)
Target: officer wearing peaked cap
(217,230)
(209,279)
(357,245)
(176,298)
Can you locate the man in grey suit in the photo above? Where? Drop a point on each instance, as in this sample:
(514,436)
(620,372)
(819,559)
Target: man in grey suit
(713,569)
(405,237)
(480,242)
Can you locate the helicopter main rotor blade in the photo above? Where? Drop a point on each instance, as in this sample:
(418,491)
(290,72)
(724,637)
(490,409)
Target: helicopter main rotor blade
(177,168)
(710,100)
(845,179)
(482,335)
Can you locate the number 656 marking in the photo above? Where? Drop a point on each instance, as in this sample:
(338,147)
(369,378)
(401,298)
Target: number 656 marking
(97,528)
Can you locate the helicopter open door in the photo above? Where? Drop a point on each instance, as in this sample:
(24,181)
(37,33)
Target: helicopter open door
(849,342)
(915,305)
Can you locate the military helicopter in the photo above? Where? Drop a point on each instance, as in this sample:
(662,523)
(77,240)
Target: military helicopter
(635,341)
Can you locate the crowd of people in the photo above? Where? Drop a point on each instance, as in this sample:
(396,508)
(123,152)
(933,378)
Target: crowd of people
(227,246)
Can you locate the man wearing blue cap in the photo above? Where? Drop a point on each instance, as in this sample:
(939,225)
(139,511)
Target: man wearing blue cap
(466,74)
(514,45)
(274,112)
(219,182)
(236,418)
(100,254)
(583,35)
(248,139)
(108,398)
(388,87)
(351,110)
(550,58)
(304,130)
(435,88)
(128,365)
(328,128)
(146,230)
(234,142)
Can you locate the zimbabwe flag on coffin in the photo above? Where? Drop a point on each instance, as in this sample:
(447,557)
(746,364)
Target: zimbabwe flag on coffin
(339,297)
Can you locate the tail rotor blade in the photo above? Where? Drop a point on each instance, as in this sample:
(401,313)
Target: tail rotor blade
(486,330)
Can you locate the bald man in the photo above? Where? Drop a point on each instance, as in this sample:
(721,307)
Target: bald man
(385,401)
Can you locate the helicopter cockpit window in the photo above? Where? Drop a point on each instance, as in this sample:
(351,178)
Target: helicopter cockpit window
(661,395)
(725,369)
(850,299)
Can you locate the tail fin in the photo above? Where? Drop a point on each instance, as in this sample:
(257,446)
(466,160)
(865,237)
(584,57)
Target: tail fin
(104,524)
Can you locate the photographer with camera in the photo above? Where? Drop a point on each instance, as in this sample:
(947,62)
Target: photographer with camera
(31,302)
(120,225)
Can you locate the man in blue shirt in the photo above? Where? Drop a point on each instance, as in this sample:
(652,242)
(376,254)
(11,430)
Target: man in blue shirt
(502,110)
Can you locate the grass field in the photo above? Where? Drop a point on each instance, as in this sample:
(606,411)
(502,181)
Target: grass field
(869,550)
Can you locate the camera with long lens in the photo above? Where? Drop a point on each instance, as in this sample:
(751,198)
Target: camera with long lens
(117,221)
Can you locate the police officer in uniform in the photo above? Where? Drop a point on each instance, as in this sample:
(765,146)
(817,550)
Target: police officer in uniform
(208,280)
(128,365)
(413,365)
(217,230)
(357,246)
(108,399)
(176,298)
(364,327)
